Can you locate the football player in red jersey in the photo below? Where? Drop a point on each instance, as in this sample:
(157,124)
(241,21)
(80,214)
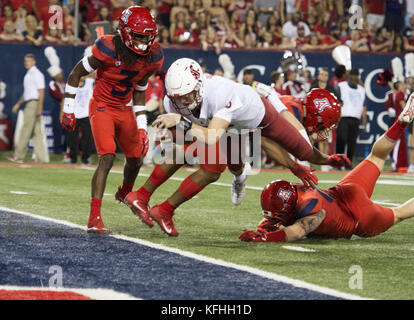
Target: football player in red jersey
(123,64)
(340,211)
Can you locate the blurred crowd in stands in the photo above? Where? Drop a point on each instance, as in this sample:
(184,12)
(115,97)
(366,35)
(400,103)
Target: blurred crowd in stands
(312,25)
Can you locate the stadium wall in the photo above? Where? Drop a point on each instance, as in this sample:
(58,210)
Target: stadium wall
(263,62)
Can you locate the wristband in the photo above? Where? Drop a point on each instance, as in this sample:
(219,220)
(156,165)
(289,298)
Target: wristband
(142,122)
(141,88)
(276,236)
(86,65)
(139,108)
(69,105)
(185,124)
(70,89)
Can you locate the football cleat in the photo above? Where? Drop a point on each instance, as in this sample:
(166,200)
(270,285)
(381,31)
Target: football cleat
(118,196)
(407,115)
(15,160)
(139,208)
(97,226)
(238,186)
(165,220)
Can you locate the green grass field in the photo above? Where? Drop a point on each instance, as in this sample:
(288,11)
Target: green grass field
(209,225)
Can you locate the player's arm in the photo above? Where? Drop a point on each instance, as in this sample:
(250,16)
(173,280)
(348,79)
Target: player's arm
(140,110)
(296,231)
(209,135)
(84,67)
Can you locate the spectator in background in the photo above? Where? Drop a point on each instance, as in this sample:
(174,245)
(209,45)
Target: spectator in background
(164,36)
(33,97)
(9,33)
(398,44)
(250,29)
(83,131)
(8,16)
(339,76)
(33,32)
(301,39)
(164,12)
(410,12)
(353,113)
(356,43)
(49,17)
(194,7)
(68,19)
(179,6)
(16,4)
(267,41)
(324,23)
(240,7)
(331,40)
(118,6)
(277,80)
(103,15)
(248,77)
(290,8)
(382,42)
(93,7)
(177,23)
(409,30)
(313,44)
(21,15)
(54,35)
(210,41)
(375,10)
(290,28)
(292,86)
(202,22)
(344,31)
(265,9)
(394,13)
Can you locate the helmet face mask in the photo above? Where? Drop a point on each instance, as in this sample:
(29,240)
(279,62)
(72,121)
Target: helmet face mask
(137,29)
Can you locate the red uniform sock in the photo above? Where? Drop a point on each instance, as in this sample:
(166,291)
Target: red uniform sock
(189,188)
(144,194)
(167,207)
(395,131)
(126,188)
(95,208)
(158,176)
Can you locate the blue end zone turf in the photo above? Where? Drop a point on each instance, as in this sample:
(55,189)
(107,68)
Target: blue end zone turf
(30,246)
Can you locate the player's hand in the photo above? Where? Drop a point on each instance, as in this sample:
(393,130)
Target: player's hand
(143,138)
(305,174)
(250,235)
(267,225)
(165,121)
(69,121)
(339,160)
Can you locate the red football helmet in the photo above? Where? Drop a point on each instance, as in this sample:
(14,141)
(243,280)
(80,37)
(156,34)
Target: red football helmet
(138,29)
(322,113)
(278,200)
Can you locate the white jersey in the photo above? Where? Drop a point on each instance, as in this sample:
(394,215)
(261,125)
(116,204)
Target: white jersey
(353,100)
(238,104)
(83,95)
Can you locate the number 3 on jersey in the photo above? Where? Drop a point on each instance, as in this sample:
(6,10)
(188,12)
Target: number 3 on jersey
(125,82)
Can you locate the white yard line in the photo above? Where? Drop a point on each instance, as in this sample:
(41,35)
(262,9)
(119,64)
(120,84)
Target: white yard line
(265,274)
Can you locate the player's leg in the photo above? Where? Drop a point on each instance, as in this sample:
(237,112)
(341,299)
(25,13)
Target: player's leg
(138,200)
(190,187)
(386,143)
(103,129)
(405,211)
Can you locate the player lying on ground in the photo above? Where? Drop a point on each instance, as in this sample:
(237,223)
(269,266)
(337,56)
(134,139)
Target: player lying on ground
(340,211)
(318,112)
(210,106)
(123,63)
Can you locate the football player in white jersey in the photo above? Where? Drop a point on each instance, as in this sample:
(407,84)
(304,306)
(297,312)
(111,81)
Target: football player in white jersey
(208,106)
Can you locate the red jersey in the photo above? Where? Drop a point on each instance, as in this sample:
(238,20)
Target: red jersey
(294,105)
(339,221)
(115,81)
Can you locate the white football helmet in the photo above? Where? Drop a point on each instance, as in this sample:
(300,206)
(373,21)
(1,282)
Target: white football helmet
(184,84)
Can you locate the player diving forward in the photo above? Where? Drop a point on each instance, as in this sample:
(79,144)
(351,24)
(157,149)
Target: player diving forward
(340,211)
(123,62)
(207,107)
